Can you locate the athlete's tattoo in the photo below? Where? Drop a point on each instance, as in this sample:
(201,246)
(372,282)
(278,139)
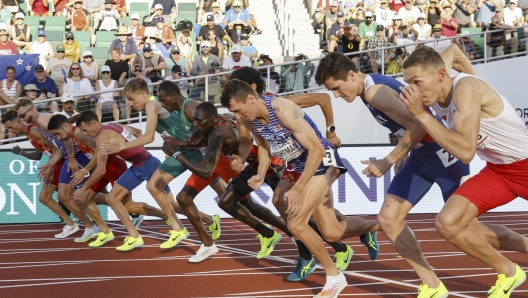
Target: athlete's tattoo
(405,145)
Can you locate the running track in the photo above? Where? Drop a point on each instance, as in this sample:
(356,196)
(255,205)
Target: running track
(34,264)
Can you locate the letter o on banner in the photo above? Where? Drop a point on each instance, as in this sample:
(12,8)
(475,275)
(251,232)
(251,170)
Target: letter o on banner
(2,199)
(12,167)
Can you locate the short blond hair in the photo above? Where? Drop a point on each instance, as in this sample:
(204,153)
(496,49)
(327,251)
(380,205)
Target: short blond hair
(135,85)
(23,102)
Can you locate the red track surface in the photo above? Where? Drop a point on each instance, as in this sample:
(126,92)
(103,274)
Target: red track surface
(34,264)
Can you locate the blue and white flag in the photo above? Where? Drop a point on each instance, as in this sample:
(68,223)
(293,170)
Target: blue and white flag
(24,66)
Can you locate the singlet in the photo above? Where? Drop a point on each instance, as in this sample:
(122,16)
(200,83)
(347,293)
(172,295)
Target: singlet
(501,140)
(136,156)
(176,125)
(104,97)
(432,18)
(86,73)
(11,93)
(18,31)
(58,143)
(41,147)
(42,49)
(283,143)
(227,121)
(85,149)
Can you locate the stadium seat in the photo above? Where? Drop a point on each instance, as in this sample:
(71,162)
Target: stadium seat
(105,38)
(187,7)
(140,7)
(55,24)
(52,35)
(83,37)
(33,21)
(99,53)
(477,39)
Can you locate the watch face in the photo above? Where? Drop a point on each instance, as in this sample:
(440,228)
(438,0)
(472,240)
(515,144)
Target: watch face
(331,128)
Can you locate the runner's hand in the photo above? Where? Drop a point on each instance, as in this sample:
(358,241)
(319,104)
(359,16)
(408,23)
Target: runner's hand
(111,148)
(79,194)
(412,99)
(236,163)
(376,168)
(16,150)
(169,148)
(78,177)
(335,141)
(293,198)
(255,182)
(44,172)
(73,165)
(174,141)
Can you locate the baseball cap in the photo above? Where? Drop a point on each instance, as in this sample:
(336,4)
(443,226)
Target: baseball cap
(160,19)
(31,87)
(216,4)
(19,15)
(60,48)
(67,97)
(210,17)
(244,36)
(380,27)
(205,44)
(499,9)
(236,49)
(147,47)
(158,6)
(334,4)
(215,65)
(175,49)
(266,57)
(70,35)
(87,53)
(105,68)
(137,65)
(3,32)
(437,27)
(41,32)
(176,68)
(134,16)
(421,15)
(39,68)
(109,2)
(513,1)
(237,3)
(340,14)
(368,14)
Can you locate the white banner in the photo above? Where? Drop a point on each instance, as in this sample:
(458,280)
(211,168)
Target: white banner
(354,194)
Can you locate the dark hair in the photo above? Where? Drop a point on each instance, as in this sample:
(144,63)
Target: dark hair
(251,76)
(425,57)
(10,116)
(169,88)
(336,66)
(87,117)
(236,90)
(57,121)
(208,109)
(11,68)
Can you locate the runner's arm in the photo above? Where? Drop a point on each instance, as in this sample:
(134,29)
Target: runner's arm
(151,109)
(244,149)
(102,159)
(455,59)
(90,143)
(56,153)
(264,155)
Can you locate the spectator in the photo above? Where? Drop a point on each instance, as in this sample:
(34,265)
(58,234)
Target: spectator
(409,13)
(367,29)
(121,7)
(464,10)
(486,12)
(525,31)
(205,7)
(118,66)
(295,74)
(248,50)
(164,32)
(468,45)
(352,43)
(89,67)
(423,29)
(407,35)
(93,7)
(396,61)
(138,73)
(5,15)
(136,30)
(395,27)
(39,8)
(244,7)
(432,13)
(10,89)
(168,7)
(218,30)
(176,74)
(512,17)
(7,47)
(330,18)
(421,4)
(77,84)
(336,31)
(274,82)
(217,18)
(396,5)
(523,5)
(235,61)
(68,106)
(151,63)
(30,92)
(495,40)
(158,12)
(236,15)
(438,45)
(176,59)
(383,14)
(57,67)
(80,21)
(499,12)
(46,88)
(126,45)
(108,17)
(105,101)
(449,24)
(42,47)
(11,5)
(358,16)
(202,62)
(217,48)
(236,32)
(20,32)
(60,7)
(379,42)
(72,47)
(214,87)
(186,46)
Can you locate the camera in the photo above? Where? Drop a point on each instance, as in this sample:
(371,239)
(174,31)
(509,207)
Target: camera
(398,51)
(45,92)
(182,74)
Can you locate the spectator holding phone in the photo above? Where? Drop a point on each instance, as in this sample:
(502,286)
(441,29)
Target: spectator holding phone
(495,40)
(46,89)
(176,59)
(176,74)
(337,30)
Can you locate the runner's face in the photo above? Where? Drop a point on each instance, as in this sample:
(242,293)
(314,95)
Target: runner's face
(345,89)
(88,129)
(201,122)
(243,110)
(138,100)
(427,81)
(62,133)
(14,127)
(26,114)
(168,102)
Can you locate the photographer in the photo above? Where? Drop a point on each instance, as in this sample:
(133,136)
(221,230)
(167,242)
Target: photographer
(176,74)
(398,57)
(336,31)
(352,43)
(274,82)
(295,73)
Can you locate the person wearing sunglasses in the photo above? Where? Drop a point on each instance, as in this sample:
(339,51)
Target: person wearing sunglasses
(367,29)
(7,47)
(47,88)
(210,25)
(89,67)
(438,45)
(58,66)
(75,84)
(336,31)
(202,63)
(165,8)
(237,13)
(20,32)
(72,48)
(42,47)
(216,18)
(106,102)
(423,29)
(151,63)
(177,59)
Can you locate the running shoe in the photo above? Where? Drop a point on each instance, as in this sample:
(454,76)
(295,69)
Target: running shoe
(303,269)
(130,243)
(343,258)
(203,253)
(505,285)
(268,244)
(88,234)
(67,231)
(371,242)
(332,288)
(425,292)
(136,221)
(102,239)
(175,238)
(215,228)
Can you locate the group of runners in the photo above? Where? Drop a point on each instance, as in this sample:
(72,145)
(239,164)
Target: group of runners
(271,140)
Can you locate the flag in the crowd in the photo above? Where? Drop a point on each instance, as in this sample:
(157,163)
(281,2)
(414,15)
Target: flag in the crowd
(24,66)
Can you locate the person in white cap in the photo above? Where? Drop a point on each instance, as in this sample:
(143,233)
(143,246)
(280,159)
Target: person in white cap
(42,47)
(68,106)
(136,29)
(108,16)
(20,32)
(106,102)
(367,29)
(409,13)
(383,14)
(512,17)
(423,29)
(89,67)
(165,8)
(235,61)
(202,62)
(331,17)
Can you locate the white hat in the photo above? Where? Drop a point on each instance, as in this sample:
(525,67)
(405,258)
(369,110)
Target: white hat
(87,53)
(236,49)
(158,6)
(513,1)
(334,4)
(67,97)
(205,44)
(105,68)
(134,16)
(19,15)
(368,14)
(464,33)
(421,15)
(396,17)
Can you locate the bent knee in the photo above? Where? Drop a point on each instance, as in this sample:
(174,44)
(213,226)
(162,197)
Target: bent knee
(156,184)
(446,225)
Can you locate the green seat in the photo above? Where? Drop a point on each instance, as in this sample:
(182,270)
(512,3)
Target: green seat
(33,33)
(139,7)
(55,21)
(477,39)
(54,44)
(52,35)
(128,21)
(184,7)
(105,38)
(191,16)
(99,53)
(32,21)
(83,37)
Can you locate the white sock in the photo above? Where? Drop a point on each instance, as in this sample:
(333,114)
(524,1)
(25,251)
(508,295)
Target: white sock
(335,278)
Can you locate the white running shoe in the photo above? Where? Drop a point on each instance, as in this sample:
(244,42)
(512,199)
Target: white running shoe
(89,233)
(67,231)
(332,289)
(136,221)
(203,253)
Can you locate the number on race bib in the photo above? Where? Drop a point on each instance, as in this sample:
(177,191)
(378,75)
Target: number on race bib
(127,135)
(446,158)
(329,159)
(287,150)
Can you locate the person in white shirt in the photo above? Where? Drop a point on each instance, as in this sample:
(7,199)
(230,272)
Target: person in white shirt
(43,48)
(407,35)
(108,16)
(439,45)
(512,17)
(236,60)
(383,14)
(409,13)
(106,102)
(68,106)
(422,28)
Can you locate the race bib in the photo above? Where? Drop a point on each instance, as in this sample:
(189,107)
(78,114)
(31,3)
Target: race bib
(47,153)
(202,149)
(329,159)
(483,140)
(288,150)
(89,155)
(446,158)
(127,135)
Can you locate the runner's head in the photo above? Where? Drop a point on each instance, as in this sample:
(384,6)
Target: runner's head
(251,76)
(137,92)
(338,74)
(26,110)
(425,69)
(13,123)
(169,96)
(60,126)
(204,118)
(239,98)
(88,122)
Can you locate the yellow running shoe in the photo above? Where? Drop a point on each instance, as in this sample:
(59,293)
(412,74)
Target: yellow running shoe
(343,258)
(102,239)
(215,228)
(268,244)
(175,238)
(505,285)
(130,243)
(425,292)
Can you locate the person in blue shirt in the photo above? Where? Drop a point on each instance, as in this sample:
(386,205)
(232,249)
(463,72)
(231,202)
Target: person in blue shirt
(237,13)
(247,49)
(47,88)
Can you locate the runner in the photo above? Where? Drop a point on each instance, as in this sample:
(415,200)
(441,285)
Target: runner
(484,123)
(281,128)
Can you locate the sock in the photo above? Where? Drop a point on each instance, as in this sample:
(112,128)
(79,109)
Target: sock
(303,250)
(134,215)
(363,237)
(335,278)
(338,246)
(264,230)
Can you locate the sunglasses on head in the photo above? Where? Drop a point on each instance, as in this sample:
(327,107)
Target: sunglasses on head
(105,72)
